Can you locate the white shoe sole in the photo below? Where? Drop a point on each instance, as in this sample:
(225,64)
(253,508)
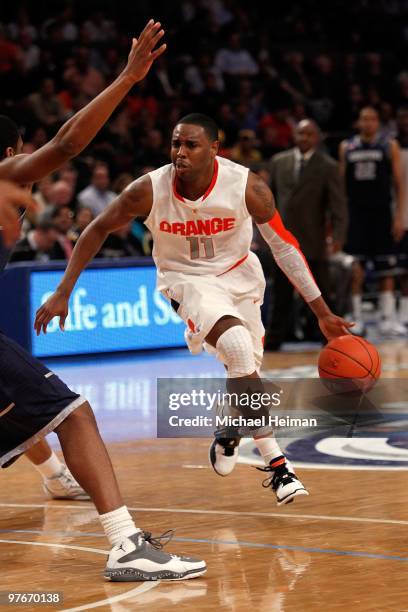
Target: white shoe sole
(137,576)
(290,497)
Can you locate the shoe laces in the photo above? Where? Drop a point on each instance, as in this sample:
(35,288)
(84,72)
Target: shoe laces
(277,476)
(156,542)
(68,480)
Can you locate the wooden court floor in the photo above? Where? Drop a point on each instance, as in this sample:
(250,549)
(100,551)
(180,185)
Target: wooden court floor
(344,547)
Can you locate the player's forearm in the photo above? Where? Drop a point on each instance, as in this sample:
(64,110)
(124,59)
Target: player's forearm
(78,132)
(289,257)
(319,307)
(89,243)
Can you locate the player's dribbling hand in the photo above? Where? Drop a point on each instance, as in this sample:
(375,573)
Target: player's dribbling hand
(143,52)
(55,306)
(12,198)
(333,326)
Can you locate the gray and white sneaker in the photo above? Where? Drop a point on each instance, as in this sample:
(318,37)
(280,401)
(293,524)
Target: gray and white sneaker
(64,486)
(139,558)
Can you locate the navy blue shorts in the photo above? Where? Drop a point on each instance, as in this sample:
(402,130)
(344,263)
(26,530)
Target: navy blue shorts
(370,240)
(403,253)
(33,400)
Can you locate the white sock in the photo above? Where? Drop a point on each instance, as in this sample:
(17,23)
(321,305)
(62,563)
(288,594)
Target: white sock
(118,525)
(51,467)
(403,309)
(387,305)
(270,449)
(356,301)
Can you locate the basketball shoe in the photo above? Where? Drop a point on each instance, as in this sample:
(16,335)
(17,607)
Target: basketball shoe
(64,486)
(283,481)
(139,558)
(223,453)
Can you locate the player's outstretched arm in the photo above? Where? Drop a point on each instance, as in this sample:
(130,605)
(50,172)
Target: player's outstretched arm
(134,201)
(12,198)
(286,251)
(78,132)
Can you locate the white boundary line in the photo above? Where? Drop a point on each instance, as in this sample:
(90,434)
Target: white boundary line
(142,588)
(321,517)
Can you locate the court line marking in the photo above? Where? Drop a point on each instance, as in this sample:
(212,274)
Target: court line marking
(244,543)
(142,588)
(320,517)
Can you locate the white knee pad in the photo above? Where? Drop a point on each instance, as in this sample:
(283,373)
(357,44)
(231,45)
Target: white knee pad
(237,351)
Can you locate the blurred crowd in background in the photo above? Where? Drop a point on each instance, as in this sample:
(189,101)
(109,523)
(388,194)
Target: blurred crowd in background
(257,76)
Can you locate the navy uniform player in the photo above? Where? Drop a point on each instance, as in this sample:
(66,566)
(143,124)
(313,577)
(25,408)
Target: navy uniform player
(371,168)
(58,482)
(39,402)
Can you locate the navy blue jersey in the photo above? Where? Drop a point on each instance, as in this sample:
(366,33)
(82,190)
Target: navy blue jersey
(368,174)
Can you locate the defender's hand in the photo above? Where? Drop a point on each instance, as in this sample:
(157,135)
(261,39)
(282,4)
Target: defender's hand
(143,52)
(55,306)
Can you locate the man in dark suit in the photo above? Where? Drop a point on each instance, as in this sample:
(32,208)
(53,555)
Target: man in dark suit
(40,244)
(310,197)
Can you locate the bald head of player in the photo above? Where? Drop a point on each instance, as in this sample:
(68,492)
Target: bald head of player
(11,142)
(194,145)
(307,135)
(368,122)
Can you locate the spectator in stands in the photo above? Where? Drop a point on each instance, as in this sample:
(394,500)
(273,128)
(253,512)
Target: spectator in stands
(245,151)
(29,52)
(234,60)
(279,119)
(45,105)
(309,194)
(63,221)
(152,152)
(91,80)
(84,216)
(40,244)
(121,243)
(60,194)
(97,195)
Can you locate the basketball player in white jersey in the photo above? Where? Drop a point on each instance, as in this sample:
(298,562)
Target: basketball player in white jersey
(200,210)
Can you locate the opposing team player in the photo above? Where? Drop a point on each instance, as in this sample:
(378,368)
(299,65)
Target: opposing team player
(371,166)
(58,482)
(38,401)
(200,210)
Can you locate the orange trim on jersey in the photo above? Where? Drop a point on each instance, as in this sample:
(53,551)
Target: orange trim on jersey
(276,224)
(208,191)
(236,264)
(191,325)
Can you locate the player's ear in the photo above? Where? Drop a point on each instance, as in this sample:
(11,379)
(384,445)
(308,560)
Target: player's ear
(10,152)
(214,147)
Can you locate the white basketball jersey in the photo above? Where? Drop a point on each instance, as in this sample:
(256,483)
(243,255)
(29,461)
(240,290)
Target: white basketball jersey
(210,235)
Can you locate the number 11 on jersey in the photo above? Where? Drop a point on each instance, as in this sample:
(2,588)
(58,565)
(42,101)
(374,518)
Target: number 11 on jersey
(207,243)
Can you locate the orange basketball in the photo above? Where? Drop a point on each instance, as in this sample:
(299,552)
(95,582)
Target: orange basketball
(349,363)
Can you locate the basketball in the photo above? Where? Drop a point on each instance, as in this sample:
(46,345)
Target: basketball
(349,363)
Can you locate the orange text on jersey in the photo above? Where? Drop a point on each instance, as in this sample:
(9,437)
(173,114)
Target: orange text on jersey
(199,227)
